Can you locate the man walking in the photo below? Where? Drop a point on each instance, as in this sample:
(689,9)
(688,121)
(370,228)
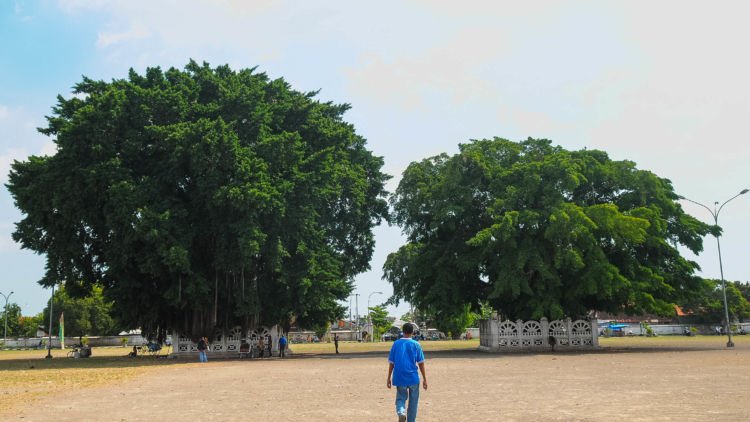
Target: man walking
(405,356)
(336,342)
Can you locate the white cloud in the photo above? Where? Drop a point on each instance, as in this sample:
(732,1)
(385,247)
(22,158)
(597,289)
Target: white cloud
(176,24)
(7,244)
(105,39)
(74,6)
(18,137)
(49,148)
(449,72)
(6,159)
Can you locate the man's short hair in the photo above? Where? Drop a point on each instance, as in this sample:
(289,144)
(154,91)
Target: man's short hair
(408,328)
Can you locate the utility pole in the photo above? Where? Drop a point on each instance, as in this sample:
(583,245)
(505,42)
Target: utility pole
(49,339)
(369,316)
(356,309)
(5,334)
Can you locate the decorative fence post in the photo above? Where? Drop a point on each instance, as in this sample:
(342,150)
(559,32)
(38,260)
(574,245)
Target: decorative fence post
(492,328)
(594,332)
(545,331)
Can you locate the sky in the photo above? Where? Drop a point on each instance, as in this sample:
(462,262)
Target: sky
(665,84)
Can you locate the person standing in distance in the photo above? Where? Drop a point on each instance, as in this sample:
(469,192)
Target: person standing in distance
(336,342)
(282,346)
(202,348)
(403,360)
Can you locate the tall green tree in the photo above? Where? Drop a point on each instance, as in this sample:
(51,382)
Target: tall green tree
(380,321)
(11,315)
(535,230)
(29,325)
(743,287)
(89,315)
(708,305)
(201,199)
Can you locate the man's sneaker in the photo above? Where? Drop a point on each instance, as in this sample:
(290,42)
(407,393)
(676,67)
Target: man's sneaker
(401,418)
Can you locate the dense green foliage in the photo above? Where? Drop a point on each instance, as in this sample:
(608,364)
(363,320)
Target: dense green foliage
(455,322)
(380,321)
(11,317)
(201,199)
(19,325)
(708,305)
(85,316)
(536,230)
(28,326)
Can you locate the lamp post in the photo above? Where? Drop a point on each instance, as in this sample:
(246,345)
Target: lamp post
(715,214)
(369,317)
(356,310)
(49,333)
(5,333)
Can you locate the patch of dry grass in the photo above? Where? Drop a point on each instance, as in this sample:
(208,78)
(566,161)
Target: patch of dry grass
(697,342)
(26,376)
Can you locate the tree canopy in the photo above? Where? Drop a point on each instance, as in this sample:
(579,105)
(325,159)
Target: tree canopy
(535,230)
(380,321)
(11,315)
(708,305)
(202,198)
(84,316)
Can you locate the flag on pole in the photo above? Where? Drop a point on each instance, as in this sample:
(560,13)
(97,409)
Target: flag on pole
(62,330)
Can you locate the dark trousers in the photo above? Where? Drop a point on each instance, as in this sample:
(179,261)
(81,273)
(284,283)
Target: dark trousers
(282,349)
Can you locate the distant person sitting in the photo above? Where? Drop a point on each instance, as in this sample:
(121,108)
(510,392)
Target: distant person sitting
(261,346)
(134,353)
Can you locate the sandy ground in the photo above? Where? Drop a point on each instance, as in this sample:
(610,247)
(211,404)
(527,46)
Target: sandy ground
(703,383)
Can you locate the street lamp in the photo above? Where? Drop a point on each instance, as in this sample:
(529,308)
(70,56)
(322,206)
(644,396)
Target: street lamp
(49,339)
(5,333)
(715,213)
(369,317)
(356,309)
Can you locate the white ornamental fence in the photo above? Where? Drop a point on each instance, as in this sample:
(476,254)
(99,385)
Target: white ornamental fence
(509,336)
(232,341)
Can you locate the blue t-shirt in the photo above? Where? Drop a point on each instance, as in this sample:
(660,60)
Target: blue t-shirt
(282,341)
(405,355)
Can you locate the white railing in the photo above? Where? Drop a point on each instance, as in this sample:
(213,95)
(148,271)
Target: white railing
(507,336)
(231,342)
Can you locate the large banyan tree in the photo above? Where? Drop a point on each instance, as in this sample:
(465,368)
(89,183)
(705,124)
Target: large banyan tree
(535,230)
(202,199)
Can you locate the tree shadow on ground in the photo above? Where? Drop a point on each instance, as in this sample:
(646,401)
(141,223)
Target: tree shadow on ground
(477,354)
(94,362)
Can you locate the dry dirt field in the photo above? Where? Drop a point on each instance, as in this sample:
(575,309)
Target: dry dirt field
(629,379)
